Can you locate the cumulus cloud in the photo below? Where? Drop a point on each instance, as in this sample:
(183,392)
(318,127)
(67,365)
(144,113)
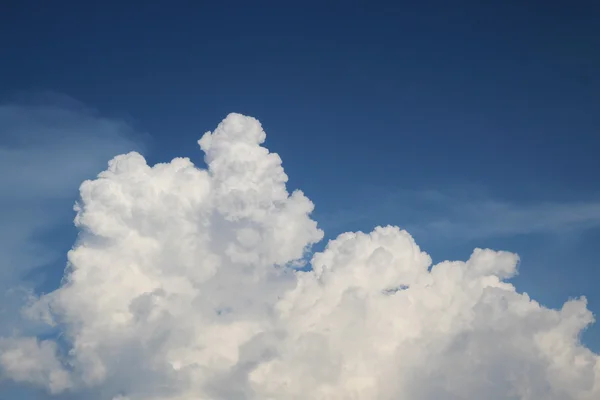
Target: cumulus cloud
(32,361)
(182,286)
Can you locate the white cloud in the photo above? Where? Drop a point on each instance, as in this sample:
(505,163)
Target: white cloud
(32,361)
(178,289)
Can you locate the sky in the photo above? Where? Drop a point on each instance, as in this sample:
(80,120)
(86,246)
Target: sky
(470,125)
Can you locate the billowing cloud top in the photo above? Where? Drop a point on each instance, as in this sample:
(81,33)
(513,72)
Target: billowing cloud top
(180,287)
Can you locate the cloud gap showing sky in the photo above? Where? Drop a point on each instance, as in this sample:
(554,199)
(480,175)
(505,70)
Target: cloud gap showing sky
(183,284)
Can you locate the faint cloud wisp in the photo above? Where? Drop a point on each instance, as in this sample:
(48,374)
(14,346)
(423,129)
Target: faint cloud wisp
(48,145)
(465,217)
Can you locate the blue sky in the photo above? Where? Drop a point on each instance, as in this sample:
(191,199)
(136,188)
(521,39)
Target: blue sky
(471,125)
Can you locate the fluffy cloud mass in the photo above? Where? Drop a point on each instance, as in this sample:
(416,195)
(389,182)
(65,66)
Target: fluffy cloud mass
(183,286)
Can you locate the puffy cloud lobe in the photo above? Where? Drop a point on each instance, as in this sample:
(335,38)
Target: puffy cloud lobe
(180,288)
(33,361)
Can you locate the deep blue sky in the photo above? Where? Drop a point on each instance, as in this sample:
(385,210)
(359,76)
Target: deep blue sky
(470,124)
